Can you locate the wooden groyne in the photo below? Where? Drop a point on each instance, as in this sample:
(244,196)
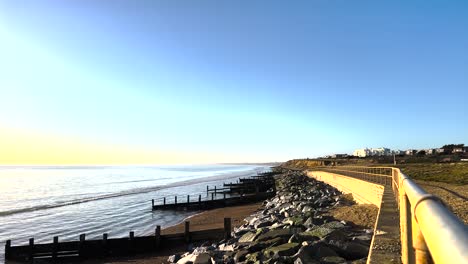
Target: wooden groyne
(213,203)
(245,190)
(110,247)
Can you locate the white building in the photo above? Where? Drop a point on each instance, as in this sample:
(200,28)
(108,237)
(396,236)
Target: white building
(362,152)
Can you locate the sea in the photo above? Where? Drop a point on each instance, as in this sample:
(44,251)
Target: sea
(66,201)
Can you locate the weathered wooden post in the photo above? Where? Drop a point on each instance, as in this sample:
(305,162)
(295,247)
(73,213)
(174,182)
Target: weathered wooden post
(81,250)
(55,248)
(157,236)
(215,189)
(31,249)
(164,200)
(131,242)
(152,203)
(207,190)
(199,201)
(7,249)
(175,199)
(187,231)
(212,196)
(105,244)
(227,228)
(188,199)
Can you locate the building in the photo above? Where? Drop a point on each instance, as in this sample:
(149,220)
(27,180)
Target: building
(458,150)
(365,152)
(339,156)
(410,152)
(440,150)
(430,151)
(381,152)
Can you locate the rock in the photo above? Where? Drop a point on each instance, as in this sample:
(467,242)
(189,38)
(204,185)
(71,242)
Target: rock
(248,237)
(173,258)
(334,225)
(189,259)
(285,232)
(332,260)
(263,224)
(240,255)
(260,245)
(202,258)
(315,251)
(354,250)
(225,247)
(253,257)
(287,249)
(320,232)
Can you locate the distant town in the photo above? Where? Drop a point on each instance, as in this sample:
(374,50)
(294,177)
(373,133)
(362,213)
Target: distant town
(451,149)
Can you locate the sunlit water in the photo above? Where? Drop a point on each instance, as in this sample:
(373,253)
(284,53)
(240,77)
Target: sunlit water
(43,202)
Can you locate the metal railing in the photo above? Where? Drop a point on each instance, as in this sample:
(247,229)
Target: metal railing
(429,232)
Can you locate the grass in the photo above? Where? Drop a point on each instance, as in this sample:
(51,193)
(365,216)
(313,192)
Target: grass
(454,173)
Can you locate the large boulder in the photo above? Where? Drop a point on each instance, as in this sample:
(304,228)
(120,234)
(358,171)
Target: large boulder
(287,249)
(285,232)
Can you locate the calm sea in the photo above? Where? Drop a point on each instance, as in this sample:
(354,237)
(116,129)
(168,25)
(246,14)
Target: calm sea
(43,202)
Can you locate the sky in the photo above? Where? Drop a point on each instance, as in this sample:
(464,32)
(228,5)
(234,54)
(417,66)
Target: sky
(158,82)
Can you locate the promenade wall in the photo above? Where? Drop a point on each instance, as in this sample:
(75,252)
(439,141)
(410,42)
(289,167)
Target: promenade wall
(363,192)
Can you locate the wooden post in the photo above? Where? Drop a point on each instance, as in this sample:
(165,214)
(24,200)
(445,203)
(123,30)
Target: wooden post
(157,236)
(81,251)
(187,231)
(227,228)
(188,199)
(55,248)
(175,199)
(105,244)
(212,196)
(152,203)
(7,249)
(199,201)
(164,200)
(215,189)
(131,242)
(31,249)
(207,189)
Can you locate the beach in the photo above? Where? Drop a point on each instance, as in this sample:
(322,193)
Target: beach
(210,219)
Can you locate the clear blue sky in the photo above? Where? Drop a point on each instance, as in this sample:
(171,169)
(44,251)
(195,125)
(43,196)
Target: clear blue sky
(237,80)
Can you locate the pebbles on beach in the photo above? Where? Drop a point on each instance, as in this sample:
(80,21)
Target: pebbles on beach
(292,227)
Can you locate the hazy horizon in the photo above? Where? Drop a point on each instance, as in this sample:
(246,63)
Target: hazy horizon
(172,82)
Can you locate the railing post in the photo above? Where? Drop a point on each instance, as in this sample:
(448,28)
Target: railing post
(31,249)
(422,255)
(55,248)
(157,235)
(215,189)
(175,199)
(188,199)
(212,196)
(199,201)
(164,200)
(152,203)
(187,231)
(407,253)
(227,228)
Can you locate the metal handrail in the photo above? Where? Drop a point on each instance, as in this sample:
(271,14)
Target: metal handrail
(429,231)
